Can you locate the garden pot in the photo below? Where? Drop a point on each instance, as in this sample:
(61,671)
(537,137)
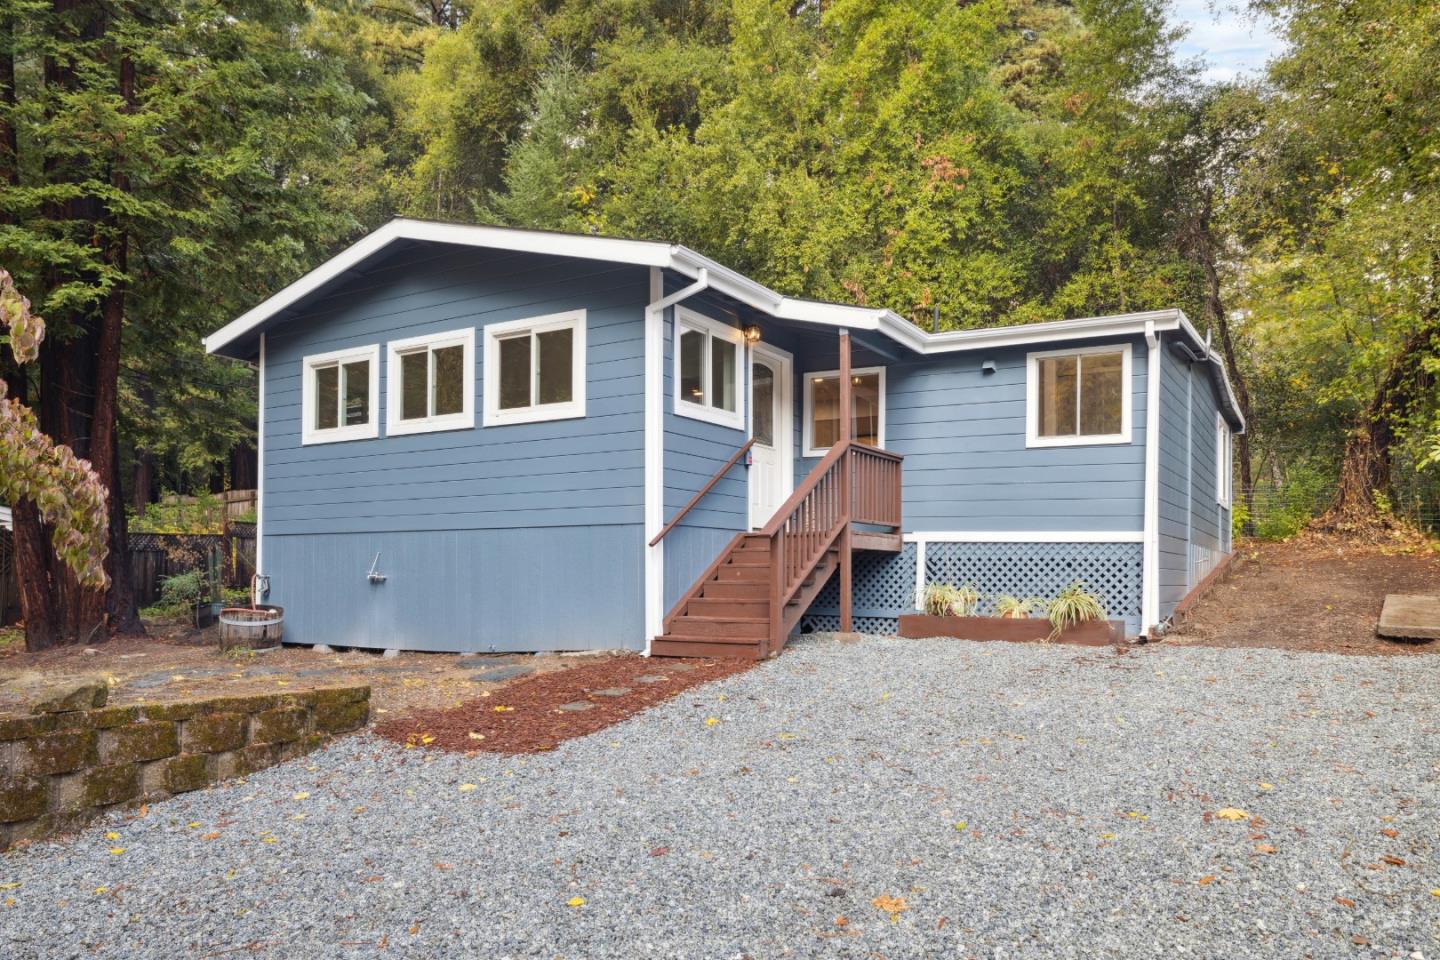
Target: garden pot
(206,612)
(1096,633)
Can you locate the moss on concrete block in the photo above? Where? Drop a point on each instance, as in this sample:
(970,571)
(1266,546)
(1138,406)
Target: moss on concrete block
(58,752)
(341,717)
(114,783)
(112,717)
(173,711)
(186,772)
(258,756)
(338,696)
(22,798)
(213,733)
(80,696)
(18,728)
(139,742)
(223,766)
(284,725)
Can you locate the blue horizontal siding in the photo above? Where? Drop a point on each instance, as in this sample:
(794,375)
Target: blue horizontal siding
(526,589)
(563,473)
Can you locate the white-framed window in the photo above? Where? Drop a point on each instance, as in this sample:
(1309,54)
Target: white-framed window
(338,395)
(535,369)
(1224,462)
(430,383)
(708,368)
(822,409)
(1076,396)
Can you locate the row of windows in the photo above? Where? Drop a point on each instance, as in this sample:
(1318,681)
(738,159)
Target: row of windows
(537,375)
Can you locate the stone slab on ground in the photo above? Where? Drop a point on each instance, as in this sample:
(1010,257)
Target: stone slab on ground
(1410,616)
(611,692)
(579,706)
(500,674)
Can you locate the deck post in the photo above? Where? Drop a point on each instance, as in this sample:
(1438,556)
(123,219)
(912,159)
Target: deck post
(846,488)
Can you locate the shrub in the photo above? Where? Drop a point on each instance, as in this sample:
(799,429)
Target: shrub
(1072,606)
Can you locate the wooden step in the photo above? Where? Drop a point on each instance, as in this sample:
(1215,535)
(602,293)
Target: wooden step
(746,607)
(675,646)
(743,574)
(749,558)
(736,590)
(753,544)
(737,628)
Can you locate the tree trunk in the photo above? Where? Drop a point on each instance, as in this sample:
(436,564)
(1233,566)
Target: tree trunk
(1365,470)
(1220,323)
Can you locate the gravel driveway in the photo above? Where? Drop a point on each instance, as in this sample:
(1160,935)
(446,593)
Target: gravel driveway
(1008,800)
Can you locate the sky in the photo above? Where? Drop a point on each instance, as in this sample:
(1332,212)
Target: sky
(1230,42)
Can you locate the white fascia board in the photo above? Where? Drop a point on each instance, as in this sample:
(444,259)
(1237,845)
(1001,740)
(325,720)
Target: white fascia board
(1219,363)
(639,252)
(1025,536)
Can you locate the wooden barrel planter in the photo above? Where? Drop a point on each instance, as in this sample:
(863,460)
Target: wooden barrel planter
(1095,633)
(261,627)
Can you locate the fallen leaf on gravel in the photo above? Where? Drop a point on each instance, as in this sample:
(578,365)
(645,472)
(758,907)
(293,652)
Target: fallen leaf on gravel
(475,736)
(112,835)
(467,787)
(427,739)
(1264,848)
(1107,836)
(1208,879)
(117,850)
(500,709)
(659,851)
(1232,813)
(891,905)
(841,922)
(210,836)
(959,824)
(192,824)
(1267,786)
(302,795)
(268,840)
(100,890)
(1394,861)
(1345,901)
(711,721)
(1387,832)
(575,902)
(1435,892)
(10,886)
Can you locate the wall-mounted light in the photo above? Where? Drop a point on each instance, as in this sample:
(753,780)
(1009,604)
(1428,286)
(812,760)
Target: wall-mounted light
(752,333)
(987,367)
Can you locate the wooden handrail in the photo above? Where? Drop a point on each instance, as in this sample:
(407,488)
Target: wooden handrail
(734,458)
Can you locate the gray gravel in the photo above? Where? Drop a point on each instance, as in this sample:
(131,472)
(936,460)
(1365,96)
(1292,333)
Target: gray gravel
(834,775)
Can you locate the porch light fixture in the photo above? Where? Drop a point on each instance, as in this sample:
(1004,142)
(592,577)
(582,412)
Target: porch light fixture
(752,333)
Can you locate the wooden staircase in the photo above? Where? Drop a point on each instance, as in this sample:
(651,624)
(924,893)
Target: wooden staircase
(751,598)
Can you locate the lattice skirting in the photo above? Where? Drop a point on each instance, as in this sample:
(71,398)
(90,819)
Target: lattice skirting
(885,583)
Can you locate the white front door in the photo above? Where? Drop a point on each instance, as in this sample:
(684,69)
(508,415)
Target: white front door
(772,464)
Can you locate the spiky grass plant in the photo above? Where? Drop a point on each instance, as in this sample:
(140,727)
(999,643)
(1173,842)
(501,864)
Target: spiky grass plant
(1015,608)
(948,600)
(1072,606)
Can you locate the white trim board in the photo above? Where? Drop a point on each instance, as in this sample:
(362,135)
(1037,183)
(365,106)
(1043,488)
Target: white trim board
(260,472)
(1150,560)
(1025,536)
(688,263)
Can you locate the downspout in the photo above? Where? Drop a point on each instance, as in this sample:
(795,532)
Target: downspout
(1150,580)
(260,470)
(655,443)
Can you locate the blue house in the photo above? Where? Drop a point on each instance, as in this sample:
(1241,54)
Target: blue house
(484,439)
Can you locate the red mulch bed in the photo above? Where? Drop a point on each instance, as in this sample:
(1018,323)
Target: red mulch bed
(524,716)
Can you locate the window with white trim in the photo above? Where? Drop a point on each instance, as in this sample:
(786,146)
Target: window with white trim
(1078,396)
(535,369)
(431,383)
(1224,462)
(822,409)
(338,393)
(708,369)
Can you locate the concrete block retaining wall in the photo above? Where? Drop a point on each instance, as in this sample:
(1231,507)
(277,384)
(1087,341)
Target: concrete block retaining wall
(58,770)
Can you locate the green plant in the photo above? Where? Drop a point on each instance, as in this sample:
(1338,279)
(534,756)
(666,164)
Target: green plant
(1073,606)
(1014,608)
(948,600)
(183,588)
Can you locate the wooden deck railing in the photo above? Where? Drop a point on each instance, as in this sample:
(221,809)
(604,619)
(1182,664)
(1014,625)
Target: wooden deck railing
(852,484)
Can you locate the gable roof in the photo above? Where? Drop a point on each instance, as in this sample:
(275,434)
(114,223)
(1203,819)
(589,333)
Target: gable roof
(236,338)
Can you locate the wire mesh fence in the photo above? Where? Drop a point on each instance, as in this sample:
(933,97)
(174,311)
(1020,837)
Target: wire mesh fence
(1273,512)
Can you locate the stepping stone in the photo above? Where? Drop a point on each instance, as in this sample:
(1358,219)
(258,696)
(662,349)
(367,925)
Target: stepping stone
(651,678)
(611,692)
(1410,617)
(502,673)
(149,681)
(579,706)
(483,660)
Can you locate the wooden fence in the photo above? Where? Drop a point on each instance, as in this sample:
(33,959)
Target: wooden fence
(9,589)
(153,556)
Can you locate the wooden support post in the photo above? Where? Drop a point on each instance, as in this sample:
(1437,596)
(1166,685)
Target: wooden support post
(846,486)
